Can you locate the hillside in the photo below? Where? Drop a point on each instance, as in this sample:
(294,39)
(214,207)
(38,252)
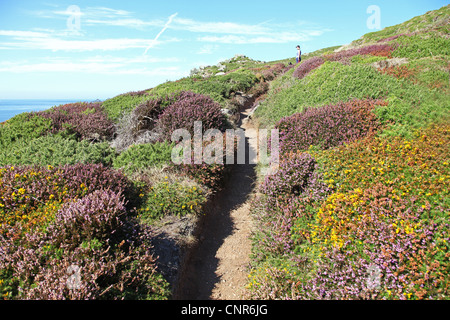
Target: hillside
(93,207)
(359,207)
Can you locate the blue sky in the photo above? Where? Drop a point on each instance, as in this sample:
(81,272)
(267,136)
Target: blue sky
(98,49)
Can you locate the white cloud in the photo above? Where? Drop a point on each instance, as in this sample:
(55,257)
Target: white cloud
(269,37)
(236,33)
(208,49)
(94,65)
(224,32)
(128,22)
(23,34)
(218,27)
(59,42)
(94,12)
(75,40)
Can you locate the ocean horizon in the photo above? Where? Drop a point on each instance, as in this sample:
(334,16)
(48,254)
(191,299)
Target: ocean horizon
(12,107)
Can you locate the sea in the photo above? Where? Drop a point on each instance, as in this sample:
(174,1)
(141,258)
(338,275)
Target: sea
(9,108)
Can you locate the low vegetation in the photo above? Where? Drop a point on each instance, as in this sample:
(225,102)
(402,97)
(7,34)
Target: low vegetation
(358,209)
(359,206)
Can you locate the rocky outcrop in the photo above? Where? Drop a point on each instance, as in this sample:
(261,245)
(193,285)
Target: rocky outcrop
(390,63)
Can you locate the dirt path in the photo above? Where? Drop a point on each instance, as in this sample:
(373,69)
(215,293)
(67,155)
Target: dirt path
(217,268)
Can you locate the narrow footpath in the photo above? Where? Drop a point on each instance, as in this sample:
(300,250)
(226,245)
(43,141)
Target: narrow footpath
(217,268)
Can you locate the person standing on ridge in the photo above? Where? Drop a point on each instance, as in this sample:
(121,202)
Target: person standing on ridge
(299,54)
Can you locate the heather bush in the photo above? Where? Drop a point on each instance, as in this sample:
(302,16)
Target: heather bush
(85,120)
(32,195)
(53,220)
(293,178)
(212,169)
(143,156)
(328,126)
(382,50)
(389,237)
(120,275)
(140,125)
(285,195)
(92,250)
(307,66)
(191,107)
(56,150)
(384,212)
(97,215)
(268,75)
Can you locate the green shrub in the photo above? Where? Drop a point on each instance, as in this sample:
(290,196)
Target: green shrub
(240,62)
(143,156)
(367,59)
(171,199)
(219,88)
(56,150)
(23,127)
(422,45)
(431,72)
(116,107)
